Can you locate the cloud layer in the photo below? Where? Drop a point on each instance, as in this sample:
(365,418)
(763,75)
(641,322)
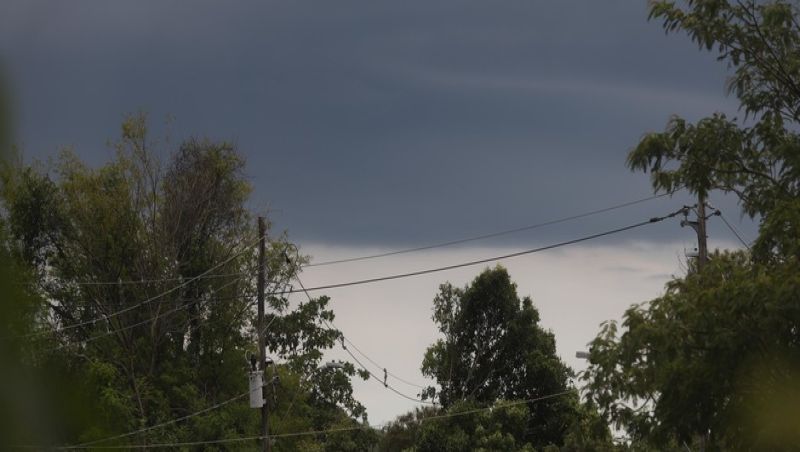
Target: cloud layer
(371,123)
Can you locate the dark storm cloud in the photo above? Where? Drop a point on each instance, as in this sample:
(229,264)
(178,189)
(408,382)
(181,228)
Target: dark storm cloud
(370,122)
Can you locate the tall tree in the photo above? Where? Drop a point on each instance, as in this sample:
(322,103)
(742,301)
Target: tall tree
(494,349)
(756,159)
(714,362)
(145,270)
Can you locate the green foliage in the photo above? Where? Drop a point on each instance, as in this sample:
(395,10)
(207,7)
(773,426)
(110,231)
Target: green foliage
(759,40)
(153,227)
(758,160)
(713,363)
(463,426)
(493,349)
(692,362)
(497,430)
(469,426)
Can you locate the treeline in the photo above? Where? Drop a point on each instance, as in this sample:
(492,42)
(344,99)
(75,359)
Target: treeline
(132,302)
(134,287)
(127,301)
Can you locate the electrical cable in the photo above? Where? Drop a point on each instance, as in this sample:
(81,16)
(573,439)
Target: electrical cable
(153,427)
(388,386)
(489,235)
(176,309)
(391,277)
(305,290)
(148,281)
(326,431)
(378,379)
(147,301)
(344,338)
(351,344)
(593,236)
(156,426)
(403,251)
(487,260)
(152,319)
(733,230)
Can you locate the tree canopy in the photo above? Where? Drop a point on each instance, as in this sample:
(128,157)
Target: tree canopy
(140,287)
(494,350)
(713,363)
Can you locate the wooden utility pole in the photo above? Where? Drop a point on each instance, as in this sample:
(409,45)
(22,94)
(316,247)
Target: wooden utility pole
(699,227)
(702,237)
(262,239)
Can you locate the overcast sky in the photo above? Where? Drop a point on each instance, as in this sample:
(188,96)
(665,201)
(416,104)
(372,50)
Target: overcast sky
(372,126)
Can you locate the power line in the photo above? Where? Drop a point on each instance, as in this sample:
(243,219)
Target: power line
(490,259)
(499,406)
(344,338)
(351,344)
(206,410)
(390,253)
(417,273)
(489,235)
(378,379)
(147,301)
(157,426)
(114,331)
(148,281)
(733,230)
(176,309)
(386,385)
(173,421)
(495,407)
(481,261)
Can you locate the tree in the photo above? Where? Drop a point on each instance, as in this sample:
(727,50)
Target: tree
(715,357)
(493,349)
(144,273)
(470,426)
(714,362)
(758,160)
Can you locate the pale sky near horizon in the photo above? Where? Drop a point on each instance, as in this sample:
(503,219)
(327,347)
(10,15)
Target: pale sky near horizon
(574,288)
(371,126)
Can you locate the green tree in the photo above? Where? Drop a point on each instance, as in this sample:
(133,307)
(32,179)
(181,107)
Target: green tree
(713,360)
(713,363)
(756,159)
(502,429)
(470,426)
(402,433)
(494,349)
(145,275)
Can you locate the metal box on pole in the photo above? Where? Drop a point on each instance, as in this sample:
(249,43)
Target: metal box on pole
(256,389)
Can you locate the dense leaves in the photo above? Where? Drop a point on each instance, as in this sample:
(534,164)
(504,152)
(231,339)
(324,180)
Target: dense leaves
(493,349)
(140,276)
(759,159)
(713,363)
(697,360)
